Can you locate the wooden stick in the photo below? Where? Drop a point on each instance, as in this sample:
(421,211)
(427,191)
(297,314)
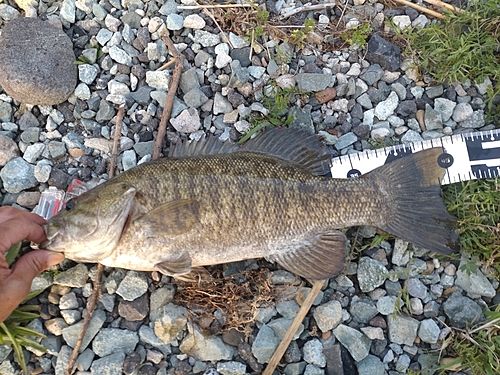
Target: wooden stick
(421,8)
(191,7)
(307,8)
(169,101)
(283,346)
(166,65)
(444,5)
(94,298)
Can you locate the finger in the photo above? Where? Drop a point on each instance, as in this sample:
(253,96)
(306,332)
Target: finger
(18,229)
(8,213)
(16,285)
(33,263)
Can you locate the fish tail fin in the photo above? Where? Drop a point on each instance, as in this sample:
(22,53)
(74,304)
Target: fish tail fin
(418,213)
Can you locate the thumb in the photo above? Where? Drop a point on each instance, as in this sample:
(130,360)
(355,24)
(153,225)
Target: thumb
(30,265)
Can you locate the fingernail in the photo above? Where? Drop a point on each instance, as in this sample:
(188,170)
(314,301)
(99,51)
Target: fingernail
(55,258)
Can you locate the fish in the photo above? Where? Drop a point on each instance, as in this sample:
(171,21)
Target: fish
(210,203)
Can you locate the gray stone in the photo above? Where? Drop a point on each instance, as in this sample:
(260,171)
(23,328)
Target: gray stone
(120,56)
(371,274)
(175,21)
(68,301)
(362,309)
(31,135)
(195,98)
(71,333)
(37,62)
(42,171)
(134,285)
(87,73)
(158,79)
(445,107)
(280,326)
(265,344)
(354,341)
(221,104)
(68,10)
(75,277)
(147,336)
(462,311)
(416,288)
(462,112)
(372,74)
(400,254)
(8,150)
(475,121)
(434,91)
(18,175)
(432,119)
(33,152)
(474,283)
(411,136)
(371,365)
(188,121)
(144,148)
(129,160)
(346,140)
(168,322)
(110,365)
(312,82)
(231,368)
(62,360)
(387,305)
(384,53)
(403,363)
(105,112)
(5,112)
(85,360)
(204,348)
(429,331)
(386,108)
(328,315)
(205,38)
(402,329)
(111,340)
(8,13)
(313,353)
(57,149)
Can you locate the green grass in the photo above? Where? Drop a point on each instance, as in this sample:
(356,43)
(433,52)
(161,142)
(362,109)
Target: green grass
(465,45)
(476,205)
(12,331)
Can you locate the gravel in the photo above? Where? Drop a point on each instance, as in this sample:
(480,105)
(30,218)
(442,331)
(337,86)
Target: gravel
(64,131)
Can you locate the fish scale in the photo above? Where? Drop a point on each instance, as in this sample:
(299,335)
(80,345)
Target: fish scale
(209,204)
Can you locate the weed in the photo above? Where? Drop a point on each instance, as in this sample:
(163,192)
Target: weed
(357,36)
(476,349)
(83,60)
(476,205)
(11,331)
(465,45)
(298,36)
(277,106)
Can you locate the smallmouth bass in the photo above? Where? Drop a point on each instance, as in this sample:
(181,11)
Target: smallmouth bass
(212,202)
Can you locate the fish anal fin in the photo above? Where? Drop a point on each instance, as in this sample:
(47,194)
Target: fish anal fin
(172,218)
(197,275)
(318,258)
(175,264)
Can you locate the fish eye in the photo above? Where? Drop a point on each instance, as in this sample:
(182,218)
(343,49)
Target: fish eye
(70,204)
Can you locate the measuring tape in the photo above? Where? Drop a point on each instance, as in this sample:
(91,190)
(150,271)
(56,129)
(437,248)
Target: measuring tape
(465,156)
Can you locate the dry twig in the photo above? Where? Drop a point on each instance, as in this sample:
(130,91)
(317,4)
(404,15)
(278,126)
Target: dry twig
(307,8)
(421,8)
(304,309)
(213,6)
(444,5)
(169,101)
(100,268)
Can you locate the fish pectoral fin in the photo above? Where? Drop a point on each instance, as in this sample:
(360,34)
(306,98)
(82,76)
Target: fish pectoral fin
(175,264)
(197,275)
(172,218)
(318,258)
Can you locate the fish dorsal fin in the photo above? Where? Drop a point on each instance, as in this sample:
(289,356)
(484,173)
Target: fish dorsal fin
(172,218)
(293,145)
(175,264)
(289,144)
(318,258)
(206,146)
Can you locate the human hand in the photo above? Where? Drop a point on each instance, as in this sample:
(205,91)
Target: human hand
(15,283)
